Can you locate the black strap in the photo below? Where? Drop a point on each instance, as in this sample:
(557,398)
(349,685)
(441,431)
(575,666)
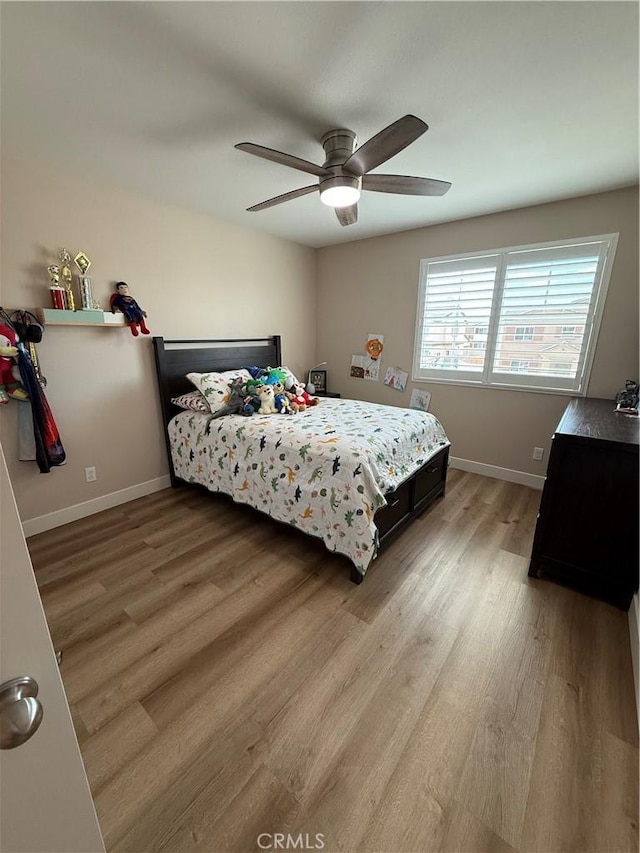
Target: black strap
(6,319)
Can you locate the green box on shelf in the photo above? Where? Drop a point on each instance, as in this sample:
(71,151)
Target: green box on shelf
(60,315)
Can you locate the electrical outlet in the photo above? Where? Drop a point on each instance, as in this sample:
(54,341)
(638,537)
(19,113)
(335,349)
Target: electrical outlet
(538,453)
(90,475)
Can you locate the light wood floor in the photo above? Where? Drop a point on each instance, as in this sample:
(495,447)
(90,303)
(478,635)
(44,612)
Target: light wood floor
(227,679)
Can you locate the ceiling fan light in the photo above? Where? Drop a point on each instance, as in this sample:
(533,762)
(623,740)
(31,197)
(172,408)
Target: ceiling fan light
(340,190)
(340,196)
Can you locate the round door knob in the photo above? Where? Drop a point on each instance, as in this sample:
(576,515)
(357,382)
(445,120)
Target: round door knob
(20,711)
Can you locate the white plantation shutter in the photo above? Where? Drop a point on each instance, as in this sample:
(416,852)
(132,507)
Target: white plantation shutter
(457,299)
(524,317)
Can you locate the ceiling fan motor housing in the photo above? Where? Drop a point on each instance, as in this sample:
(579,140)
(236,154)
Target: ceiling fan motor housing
(338,146)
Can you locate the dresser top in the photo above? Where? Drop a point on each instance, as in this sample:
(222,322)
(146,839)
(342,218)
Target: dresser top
(586,417)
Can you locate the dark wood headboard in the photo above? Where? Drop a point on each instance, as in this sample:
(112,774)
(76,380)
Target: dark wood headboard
(174,359)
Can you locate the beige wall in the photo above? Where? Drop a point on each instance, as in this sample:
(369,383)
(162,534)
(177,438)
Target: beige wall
(195,276)
(198,277)
(372,285)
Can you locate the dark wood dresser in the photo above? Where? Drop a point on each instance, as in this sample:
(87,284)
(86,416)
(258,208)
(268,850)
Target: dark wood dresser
(587,530)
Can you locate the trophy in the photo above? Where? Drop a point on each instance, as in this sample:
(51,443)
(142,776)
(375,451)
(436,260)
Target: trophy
(83,263)
(67,276)
(57,292)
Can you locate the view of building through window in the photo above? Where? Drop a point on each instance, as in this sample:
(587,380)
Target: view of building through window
(550,349)
(524,312)
(520,317)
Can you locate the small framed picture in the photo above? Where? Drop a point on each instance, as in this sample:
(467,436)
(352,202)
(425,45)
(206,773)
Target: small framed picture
(319,380)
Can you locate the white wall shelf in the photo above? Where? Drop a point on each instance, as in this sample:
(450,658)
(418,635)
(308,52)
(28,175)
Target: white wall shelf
(61,317)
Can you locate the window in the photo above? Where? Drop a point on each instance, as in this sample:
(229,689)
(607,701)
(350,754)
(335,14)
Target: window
(494,318)
(523,333)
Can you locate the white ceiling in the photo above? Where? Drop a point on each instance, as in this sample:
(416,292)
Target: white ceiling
(527,102)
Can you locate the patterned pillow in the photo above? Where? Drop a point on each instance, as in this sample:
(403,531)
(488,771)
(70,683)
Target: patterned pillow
(193,401)
(214,387)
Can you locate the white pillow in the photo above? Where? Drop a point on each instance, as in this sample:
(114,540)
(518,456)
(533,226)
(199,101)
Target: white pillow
(214,387)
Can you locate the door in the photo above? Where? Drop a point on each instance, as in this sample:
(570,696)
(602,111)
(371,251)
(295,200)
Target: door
(45,802)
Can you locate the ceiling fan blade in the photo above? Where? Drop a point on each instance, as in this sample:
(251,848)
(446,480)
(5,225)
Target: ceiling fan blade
(271,202)
(347,215)
(385,144)
(283,159)
(404,185)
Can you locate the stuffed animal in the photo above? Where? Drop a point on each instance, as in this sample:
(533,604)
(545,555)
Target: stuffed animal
(10,385)
(301,397)
(251,405)
(237,401)
(267,404)
(281,402)
(252,400)
(281,399)
(274,376)
(627,400)
(296,403)
(252,386)
(133,313)
(257,372)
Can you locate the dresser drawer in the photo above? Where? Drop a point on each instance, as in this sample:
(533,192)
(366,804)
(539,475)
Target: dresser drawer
(397,508)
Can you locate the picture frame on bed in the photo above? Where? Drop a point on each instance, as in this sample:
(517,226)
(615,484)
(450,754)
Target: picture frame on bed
(318,378)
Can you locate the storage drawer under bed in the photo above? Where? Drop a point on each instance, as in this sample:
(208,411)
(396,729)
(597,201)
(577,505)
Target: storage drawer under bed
(398,507)
(429,478)
(412,496)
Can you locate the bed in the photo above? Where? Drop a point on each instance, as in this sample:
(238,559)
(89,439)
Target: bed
(349,472)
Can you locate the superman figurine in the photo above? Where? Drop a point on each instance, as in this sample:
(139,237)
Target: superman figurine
(133,313)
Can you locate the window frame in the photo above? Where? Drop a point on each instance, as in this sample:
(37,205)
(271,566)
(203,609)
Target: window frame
(488,376)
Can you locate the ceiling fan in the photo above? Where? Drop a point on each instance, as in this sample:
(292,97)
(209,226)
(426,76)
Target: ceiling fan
(344,172)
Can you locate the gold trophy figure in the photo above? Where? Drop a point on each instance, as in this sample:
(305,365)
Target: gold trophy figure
(67,277)
(83,263)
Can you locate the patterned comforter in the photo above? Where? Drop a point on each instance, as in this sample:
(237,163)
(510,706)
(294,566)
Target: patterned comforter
(324,471)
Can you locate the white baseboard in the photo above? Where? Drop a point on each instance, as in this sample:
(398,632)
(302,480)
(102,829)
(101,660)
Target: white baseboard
(634,636)
(82,510)
(522,477)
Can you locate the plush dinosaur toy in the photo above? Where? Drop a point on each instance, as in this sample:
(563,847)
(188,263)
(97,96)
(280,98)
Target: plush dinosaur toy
(237,401)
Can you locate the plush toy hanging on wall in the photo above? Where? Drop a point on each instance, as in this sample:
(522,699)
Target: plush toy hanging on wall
(10,385)
(133,313)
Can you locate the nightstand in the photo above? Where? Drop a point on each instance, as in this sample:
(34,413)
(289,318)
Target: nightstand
(326,394)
